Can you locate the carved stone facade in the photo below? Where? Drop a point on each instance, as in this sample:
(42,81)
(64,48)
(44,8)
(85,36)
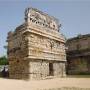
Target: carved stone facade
(36,49)
(78,55)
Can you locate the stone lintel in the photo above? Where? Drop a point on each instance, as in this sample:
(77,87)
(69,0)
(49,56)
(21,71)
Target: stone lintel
(40,58)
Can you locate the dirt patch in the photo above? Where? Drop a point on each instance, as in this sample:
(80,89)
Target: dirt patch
(49,84)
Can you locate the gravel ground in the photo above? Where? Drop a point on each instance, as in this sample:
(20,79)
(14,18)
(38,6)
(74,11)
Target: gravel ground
(49,84)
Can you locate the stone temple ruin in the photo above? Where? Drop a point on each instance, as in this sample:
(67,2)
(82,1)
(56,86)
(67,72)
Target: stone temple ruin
(36,49)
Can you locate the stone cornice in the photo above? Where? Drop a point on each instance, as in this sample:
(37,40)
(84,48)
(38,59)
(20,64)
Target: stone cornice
(43,32)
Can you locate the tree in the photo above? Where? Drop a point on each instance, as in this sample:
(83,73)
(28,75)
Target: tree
(3,60)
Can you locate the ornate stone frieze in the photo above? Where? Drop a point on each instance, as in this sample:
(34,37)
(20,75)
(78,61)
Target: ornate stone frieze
(41,19)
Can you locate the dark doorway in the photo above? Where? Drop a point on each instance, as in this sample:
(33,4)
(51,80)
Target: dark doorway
(51,69)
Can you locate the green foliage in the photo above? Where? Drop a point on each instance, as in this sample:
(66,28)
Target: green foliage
(3,60)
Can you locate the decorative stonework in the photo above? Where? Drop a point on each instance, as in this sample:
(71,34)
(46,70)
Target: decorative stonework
(36,49)
(35,16)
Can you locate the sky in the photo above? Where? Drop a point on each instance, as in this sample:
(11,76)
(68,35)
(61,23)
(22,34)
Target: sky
(74,15)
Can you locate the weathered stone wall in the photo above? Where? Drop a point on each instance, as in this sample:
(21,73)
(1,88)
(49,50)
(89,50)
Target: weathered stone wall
(45,48)
(78,65)
(59,69)
(29,69)
(19,69)
(78,43)
(34,45)
(78,55)
(39,69)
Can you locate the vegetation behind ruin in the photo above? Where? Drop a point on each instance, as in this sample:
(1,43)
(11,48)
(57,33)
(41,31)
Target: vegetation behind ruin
(3,60)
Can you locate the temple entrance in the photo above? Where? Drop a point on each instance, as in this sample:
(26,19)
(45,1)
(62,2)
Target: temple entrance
(51,71)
